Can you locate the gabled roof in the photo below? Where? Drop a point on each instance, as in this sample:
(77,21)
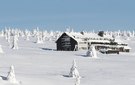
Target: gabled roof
(89,36)
(127,47)
(119,41)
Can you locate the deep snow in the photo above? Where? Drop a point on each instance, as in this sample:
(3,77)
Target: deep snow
(41,64)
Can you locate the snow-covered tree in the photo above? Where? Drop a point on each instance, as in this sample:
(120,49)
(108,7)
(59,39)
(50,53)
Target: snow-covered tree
(44,35)
(15,44)
(2,33)
(92,52)
(68,29)
(11,75)
(1,50)
(89,52)
(133,33)
(73,71)
(39,38)
(27,34)
(77,81)
(8,36)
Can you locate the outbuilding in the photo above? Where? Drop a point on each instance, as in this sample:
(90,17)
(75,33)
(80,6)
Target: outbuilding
(66,43)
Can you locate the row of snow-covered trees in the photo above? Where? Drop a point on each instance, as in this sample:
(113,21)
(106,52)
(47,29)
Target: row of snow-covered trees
(12,35)
(51,35)
(40,35)
(121,33)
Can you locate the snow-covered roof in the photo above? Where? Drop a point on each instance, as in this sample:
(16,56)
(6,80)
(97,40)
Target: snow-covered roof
(119,41)
(115,46)
(92,37)
(75,36)
(127,47)
(88,36)
(104,41)
(108,36)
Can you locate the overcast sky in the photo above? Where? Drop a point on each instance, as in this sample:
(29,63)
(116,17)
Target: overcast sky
(78,14)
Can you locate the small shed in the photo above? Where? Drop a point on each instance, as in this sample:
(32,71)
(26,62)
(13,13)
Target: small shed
(66,43)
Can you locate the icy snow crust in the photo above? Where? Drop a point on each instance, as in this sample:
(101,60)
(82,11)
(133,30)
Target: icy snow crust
(41,64)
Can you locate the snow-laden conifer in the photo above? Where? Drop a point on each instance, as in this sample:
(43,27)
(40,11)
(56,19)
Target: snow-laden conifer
(1,50)
(15,42)
(91,52)
(39,38)
(77,80)
(73,71)
(11,76)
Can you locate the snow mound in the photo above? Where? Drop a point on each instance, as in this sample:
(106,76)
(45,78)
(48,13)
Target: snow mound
(11,76)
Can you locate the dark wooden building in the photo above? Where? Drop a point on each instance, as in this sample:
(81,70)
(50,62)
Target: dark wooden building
(79,41)
(66,43)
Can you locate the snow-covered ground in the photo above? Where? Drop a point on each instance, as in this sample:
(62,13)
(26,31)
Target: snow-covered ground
(41,64)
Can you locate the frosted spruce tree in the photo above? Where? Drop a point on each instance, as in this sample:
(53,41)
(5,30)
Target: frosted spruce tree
(91,52)
(1,50)
(94,52)
(44,35)
(51,35)
(133,33)
(15,44)
(8,36)
(27,34)
(77,80)
(11,76)
(39,39)
(73,71)
(2,33)
(5,33)
(27,37)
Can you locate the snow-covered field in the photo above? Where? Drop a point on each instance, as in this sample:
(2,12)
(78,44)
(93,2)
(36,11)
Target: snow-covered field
(41,64)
